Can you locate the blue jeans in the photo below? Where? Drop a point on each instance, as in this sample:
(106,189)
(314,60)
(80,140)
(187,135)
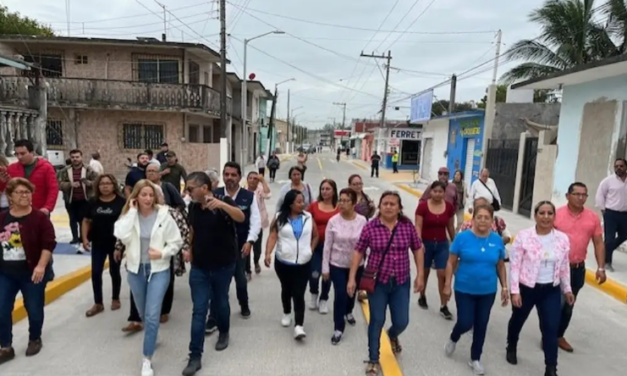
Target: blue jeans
(316,272)
(342,304)
(615,228)
(548,301)
(148,291)
(34,296)
(209,285)
(436,254)
(473,312)
(397,298)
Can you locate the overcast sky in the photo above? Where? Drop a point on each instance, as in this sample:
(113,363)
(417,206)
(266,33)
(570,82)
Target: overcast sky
(429,40)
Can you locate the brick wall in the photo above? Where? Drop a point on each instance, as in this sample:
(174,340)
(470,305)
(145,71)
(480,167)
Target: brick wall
(100,130)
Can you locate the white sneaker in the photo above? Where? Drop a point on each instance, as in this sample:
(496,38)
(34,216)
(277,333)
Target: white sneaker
(477,367)
(449,348)
(313,303)
(286,320)
(147,368)
(299,333)
(324,307)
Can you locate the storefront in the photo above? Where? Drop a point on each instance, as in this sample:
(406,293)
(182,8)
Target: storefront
(465,140)
(407,142)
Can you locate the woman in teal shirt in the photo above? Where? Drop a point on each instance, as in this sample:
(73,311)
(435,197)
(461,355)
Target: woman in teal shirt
(476,256)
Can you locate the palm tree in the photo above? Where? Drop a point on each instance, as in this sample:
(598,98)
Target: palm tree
(570,36)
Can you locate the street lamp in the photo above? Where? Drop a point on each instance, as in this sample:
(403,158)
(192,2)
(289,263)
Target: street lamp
(245,91)
(284,81)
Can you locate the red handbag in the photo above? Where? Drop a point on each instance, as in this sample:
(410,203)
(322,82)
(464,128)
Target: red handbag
(368,279)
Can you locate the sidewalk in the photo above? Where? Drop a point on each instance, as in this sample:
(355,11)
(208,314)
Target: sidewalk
(403,176)
(616,285)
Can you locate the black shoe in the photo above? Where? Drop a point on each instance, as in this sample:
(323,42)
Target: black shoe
(350,319)
(6,354)
(446,313)
(34,347)
(422,302)
(337,338)
(211,326)
(245,312)
(550,371)
(223,341)
(511,356)
(75,241)
(194,365)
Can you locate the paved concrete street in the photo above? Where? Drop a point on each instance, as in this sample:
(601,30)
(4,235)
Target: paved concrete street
(75,345)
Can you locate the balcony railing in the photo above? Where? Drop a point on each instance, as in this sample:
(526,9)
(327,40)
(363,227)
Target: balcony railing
(80,92)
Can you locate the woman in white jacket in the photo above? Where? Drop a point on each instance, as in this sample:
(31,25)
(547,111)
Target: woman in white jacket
(151,238)
(295,236)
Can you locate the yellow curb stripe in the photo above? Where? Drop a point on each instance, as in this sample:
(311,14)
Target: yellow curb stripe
(56,289)
(359,165)
(387,359)
(319,163)
(610,287)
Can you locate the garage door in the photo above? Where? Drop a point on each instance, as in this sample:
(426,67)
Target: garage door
(470,151)
(427,158)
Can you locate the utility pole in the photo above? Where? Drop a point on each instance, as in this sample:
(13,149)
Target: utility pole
(289,142)
(387,81)
(165,28)
(223,118)
(343,104)
(490,110)
(451,103)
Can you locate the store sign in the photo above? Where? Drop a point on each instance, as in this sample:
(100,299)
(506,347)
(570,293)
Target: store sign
(470,127)
(406,134)
(394,142)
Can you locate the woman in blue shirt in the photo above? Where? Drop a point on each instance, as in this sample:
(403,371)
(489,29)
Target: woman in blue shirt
(476,256)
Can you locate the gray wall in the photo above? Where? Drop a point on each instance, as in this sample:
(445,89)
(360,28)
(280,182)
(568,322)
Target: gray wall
(507,123)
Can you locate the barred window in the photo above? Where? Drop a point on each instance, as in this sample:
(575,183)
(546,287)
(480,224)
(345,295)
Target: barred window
(142,136)
(158,70)
(54,133)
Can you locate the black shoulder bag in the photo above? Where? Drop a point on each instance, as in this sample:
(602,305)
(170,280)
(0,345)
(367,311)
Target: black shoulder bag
(496,205)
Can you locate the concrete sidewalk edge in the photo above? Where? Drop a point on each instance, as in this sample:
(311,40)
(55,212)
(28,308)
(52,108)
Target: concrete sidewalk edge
(56,289)
(610,287)
(387,359)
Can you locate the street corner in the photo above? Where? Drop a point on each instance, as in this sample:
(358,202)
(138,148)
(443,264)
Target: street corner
(359,164)
(407,187)
(610,287)
(56,289)
(405,176)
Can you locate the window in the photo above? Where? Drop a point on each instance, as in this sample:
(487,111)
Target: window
(200,134)
(142,136)
(80,59)
(51,63)
(54,133)
(158,69)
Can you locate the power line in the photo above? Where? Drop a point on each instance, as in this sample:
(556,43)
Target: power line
(367,29)
(142,25)
(411,24)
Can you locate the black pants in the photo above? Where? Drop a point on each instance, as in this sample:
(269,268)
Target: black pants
(374,170)
(294,279)
(547,299)
(99,254)
(577,281)
(272,173)
(395,167)
(166,307)
(76,212)
(615,228)
(262,171)
(256,253)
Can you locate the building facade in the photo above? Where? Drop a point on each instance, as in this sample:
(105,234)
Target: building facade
(465,144)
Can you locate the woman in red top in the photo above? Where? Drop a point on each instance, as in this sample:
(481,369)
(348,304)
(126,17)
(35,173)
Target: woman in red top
(434,218)
(321,210)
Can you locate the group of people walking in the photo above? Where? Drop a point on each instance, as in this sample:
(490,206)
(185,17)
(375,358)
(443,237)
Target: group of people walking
(336,239)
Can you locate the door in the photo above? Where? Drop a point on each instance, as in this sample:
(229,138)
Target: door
(426,163)
(470,151)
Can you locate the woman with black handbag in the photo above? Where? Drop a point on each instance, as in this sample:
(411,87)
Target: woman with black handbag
(387,275)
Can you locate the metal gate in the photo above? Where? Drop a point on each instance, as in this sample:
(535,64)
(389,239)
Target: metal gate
(501,161)
(528,176)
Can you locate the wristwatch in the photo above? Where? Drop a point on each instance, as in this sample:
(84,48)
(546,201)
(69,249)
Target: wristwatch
(251,242)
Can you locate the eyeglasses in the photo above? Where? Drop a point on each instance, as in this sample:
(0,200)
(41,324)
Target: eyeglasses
(23,193)
(342,201)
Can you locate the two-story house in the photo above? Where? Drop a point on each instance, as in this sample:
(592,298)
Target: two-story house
(119,97)
(256,93)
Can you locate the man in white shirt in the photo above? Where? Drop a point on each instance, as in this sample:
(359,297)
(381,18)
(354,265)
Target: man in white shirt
(484,187)
(95,164)
(611,199)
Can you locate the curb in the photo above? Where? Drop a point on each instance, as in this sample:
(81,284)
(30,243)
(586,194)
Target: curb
(610,287)
(56,289)
(359,165)
(387,359)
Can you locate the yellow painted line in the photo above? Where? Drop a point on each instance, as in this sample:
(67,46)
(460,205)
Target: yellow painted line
(56,289)
(387,359)
(319,163)
(59,218)
(359,165)
(610,287)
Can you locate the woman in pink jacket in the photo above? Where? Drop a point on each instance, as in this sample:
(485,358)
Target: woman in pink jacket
(539,275)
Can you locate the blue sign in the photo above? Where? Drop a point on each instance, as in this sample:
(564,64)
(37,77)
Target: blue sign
(421,107)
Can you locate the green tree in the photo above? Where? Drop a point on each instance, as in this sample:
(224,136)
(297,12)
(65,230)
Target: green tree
(13,23)
(570,36)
